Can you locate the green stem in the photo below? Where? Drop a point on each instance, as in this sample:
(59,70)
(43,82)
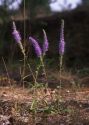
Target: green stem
(38,67)
(44,71)
(60,71)
(29,66)
(35,81)
(24,45)
(37,71)
(6,71)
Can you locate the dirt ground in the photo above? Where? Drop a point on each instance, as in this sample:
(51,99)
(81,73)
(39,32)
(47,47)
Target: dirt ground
(15,103)
(23,105)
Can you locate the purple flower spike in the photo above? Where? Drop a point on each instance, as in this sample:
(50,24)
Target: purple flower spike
(16,34)
(17,38)
(62,42)
(36,46)
(45,44)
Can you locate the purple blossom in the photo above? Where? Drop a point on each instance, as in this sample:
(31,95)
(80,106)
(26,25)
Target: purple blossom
(17,38)
(45,44)
(62,42)
(36,46)
(16,34)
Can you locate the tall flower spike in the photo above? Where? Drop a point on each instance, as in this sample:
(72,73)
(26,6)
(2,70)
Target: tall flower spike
(62,42)
(16,34)
(45,44)
(17,37)
(36,46)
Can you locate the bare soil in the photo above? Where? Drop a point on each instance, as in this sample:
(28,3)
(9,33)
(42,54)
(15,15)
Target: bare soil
(17,105)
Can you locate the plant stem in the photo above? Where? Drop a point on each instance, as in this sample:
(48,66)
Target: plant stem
(6,71)
(59,87)
(24,45)
(60,70)
(35,81)
(38,68)
(29,66)
(44,71)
